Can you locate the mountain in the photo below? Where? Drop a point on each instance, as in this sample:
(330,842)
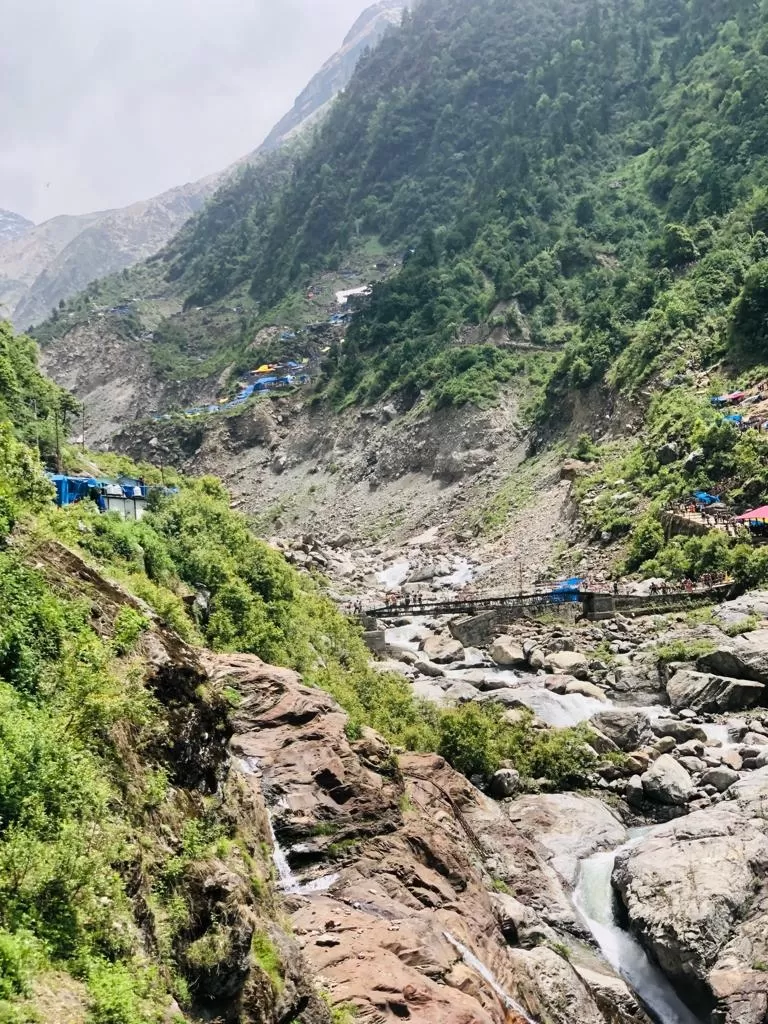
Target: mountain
(40,266)
(13,225)
(336,72)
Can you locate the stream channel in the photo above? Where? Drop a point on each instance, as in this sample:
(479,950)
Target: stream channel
(593,896)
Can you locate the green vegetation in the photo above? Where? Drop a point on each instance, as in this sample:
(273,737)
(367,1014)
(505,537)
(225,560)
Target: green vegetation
(684,650)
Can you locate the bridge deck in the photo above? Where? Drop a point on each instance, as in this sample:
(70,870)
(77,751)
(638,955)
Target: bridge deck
(588,599)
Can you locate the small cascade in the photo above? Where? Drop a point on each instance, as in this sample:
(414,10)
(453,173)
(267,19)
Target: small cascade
(555,709)
(394,576)
(407,638)
(594,897)
(287,880)
(479,967)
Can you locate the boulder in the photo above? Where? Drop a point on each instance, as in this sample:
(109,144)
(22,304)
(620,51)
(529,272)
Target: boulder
(664,745)
(429,668)
(754,739)
(693,460)
(635,793)
(704,691)
(692,890)
(744,658)
(573,469)
(629,730)
(507,654)
(668,453)
(460,693)
(442,649)
(585,689)
(537,659)
(667,782)
(680,732)
(504,783)
(732,758)
(721,778)
(568,663)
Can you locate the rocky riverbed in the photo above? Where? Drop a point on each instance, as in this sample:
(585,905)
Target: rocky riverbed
(417,895)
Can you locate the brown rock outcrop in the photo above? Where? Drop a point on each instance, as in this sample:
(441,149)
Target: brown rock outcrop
(407,926)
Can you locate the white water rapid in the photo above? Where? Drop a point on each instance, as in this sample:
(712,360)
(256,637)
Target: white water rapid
(594,897)
(479,967)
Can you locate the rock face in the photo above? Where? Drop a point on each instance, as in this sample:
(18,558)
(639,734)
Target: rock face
(629,730)
(667,782)
(405,859)
(695,892)
(569,828)
(703,691)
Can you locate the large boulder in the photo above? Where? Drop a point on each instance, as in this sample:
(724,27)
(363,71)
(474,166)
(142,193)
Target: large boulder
(629,729)
(568,663)
(721,778)
(705,691)
(507,654)
(442,649)
(585,689)
(744,658)
(667,782)
(693,890)
(668,453)
(504,783)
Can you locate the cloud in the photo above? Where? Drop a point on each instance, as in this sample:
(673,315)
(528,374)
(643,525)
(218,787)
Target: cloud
(104,102)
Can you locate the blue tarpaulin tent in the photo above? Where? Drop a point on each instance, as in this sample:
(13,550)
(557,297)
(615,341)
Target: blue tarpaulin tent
(568,590)
(704,498)
(70,489)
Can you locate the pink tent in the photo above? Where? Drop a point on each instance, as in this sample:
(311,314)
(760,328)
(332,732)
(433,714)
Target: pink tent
(756,513)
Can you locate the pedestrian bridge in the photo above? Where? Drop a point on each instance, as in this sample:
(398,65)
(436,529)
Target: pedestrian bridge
(594,605)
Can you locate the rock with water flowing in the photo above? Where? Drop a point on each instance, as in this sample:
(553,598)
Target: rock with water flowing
(695,892)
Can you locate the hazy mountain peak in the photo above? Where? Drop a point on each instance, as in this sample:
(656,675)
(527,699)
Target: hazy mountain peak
(13,225)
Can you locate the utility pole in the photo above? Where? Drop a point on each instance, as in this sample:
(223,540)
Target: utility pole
(58,441)
(83,437)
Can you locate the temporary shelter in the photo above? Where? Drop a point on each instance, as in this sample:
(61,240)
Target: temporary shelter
(756,515)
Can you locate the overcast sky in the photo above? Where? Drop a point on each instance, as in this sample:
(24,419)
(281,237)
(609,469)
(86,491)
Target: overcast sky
(104,102)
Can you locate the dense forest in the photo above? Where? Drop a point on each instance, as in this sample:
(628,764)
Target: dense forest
(581,175)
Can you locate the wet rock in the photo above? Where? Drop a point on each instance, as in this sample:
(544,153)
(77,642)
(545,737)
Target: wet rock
(504,783)
(629,730)
(569,827)
(507,654)
(460,693)
(537,659)
(754,739)
(704,691)
(667,782)
(721,778)
(586,689)
(569,663)
(681,732)
(429,668)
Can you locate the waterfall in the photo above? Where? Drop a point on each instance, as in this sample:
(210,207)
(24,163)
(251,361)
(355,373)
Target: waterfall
(479,967)
(594,897)
(287,880)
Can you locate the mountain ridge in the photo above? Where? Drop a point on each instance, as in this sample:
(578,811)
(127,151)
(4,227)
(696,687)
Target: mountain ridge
(44,264)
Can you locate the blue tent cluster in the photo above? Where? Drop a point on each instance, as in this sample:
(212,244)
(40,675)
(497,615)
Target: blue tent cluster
(568,591)
(259,382)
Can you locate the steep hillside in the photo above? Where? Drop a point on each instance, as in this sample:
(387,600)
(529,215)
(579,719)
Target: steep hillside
(13,225)
(59,258)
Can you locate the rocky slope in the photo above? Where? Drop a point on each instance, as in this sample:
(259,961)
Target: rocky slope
(399,906)
(13,225)
(41,265)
